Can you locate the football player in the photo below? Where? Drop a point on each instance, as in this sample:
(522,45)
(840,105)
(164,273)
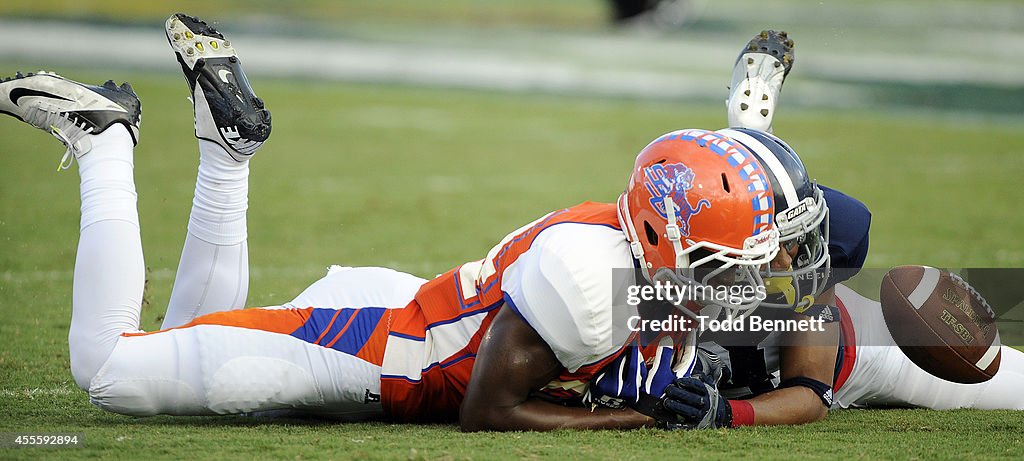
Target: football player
(797,279)
(501,343)
(795,377)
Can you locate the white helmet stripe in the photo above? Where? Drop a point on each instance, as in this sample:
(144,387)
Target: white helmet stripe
(770,161)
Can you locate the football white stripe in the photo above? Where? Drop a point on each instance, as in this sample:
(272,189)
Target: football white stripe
(990,354)
(769,160)
(925,288)
(405,357)
(408,357)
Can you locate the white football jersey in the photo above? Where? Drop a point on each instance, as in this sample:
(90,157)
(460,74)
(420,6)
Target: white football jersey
(564,288)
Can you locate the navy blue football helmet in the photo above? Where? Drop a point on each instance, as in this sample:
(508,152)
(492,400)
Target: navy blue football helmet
(801,218)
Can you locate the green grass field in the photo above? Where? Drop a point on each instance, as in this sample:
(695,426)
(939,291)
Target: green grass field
(423,179)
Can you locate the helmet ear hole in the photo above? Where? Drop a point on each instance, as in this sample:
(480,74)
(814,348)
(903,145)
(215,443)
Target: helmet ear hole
(652,236)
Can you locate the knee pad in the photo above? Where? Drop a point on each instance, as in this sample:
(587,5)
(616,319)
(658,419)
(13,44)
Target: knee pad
(140,378)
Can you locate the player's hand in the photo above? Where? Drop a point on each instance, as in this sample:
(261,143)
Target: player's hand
(629,381)
(711,367)
(618,384)
(694,402)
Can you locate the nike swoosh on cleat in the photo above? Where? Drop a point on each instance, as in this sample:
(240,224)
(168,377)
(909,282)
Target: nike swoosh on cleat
(19,93)
(223,74)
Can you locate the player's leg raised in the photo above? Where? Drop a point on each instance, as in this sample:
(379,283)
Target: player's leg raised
(757,78)
(98,125)
(231,124)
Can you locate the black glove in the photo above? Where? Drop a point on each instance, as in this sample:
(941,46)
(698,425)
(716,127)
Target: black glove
(693,402)
(696,404)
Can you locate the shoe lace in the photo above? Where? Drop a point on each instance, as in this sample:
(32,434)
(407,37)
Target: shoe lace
(62,127)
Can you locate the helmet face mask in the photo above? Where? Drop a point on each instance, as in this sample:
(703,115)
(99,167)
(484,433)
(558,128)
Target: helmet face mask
(698,214)
(730,288)
(798,286)
(720,277)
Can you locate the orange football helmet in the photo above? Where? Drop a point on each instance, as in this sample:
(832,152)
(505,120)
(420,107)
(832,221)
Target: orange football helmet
(697,205)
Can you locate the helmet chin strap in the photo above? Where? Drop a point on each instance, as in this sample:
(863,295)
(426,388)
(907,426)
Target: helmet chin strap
(632,237)
(673,233)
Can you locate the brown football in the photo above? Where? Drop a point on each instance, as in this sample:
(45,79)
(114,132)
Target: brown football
(943,325)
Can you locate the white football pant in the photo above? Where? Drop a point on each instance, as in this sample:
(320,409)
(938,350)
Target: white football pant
(235,366)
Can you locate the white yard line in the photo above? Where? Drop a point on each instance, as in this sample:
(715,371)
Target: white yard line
(614,64)
(37,392)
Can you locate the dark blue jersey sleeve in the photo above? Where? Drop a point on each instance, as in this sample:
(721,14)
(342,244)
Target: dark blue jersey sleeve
(849,221)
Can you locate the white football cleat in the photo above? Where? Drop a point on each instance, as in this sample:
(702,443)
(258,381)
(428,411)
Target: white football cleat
(757,79)
(227,110)
(70,110)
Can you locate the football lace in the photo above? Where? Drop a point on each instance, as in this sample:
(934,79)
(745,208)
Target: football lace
(974,293)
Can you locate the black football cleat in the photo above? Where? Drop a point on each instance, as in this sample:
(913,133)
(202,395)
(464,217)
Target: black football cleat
(70,110)
(227,110)
(757,78)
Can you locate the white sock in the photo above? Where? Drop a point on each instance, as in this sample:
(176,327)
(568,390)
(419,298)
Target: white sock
(213,273)
(221,198)
(107,179)
(109,267)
